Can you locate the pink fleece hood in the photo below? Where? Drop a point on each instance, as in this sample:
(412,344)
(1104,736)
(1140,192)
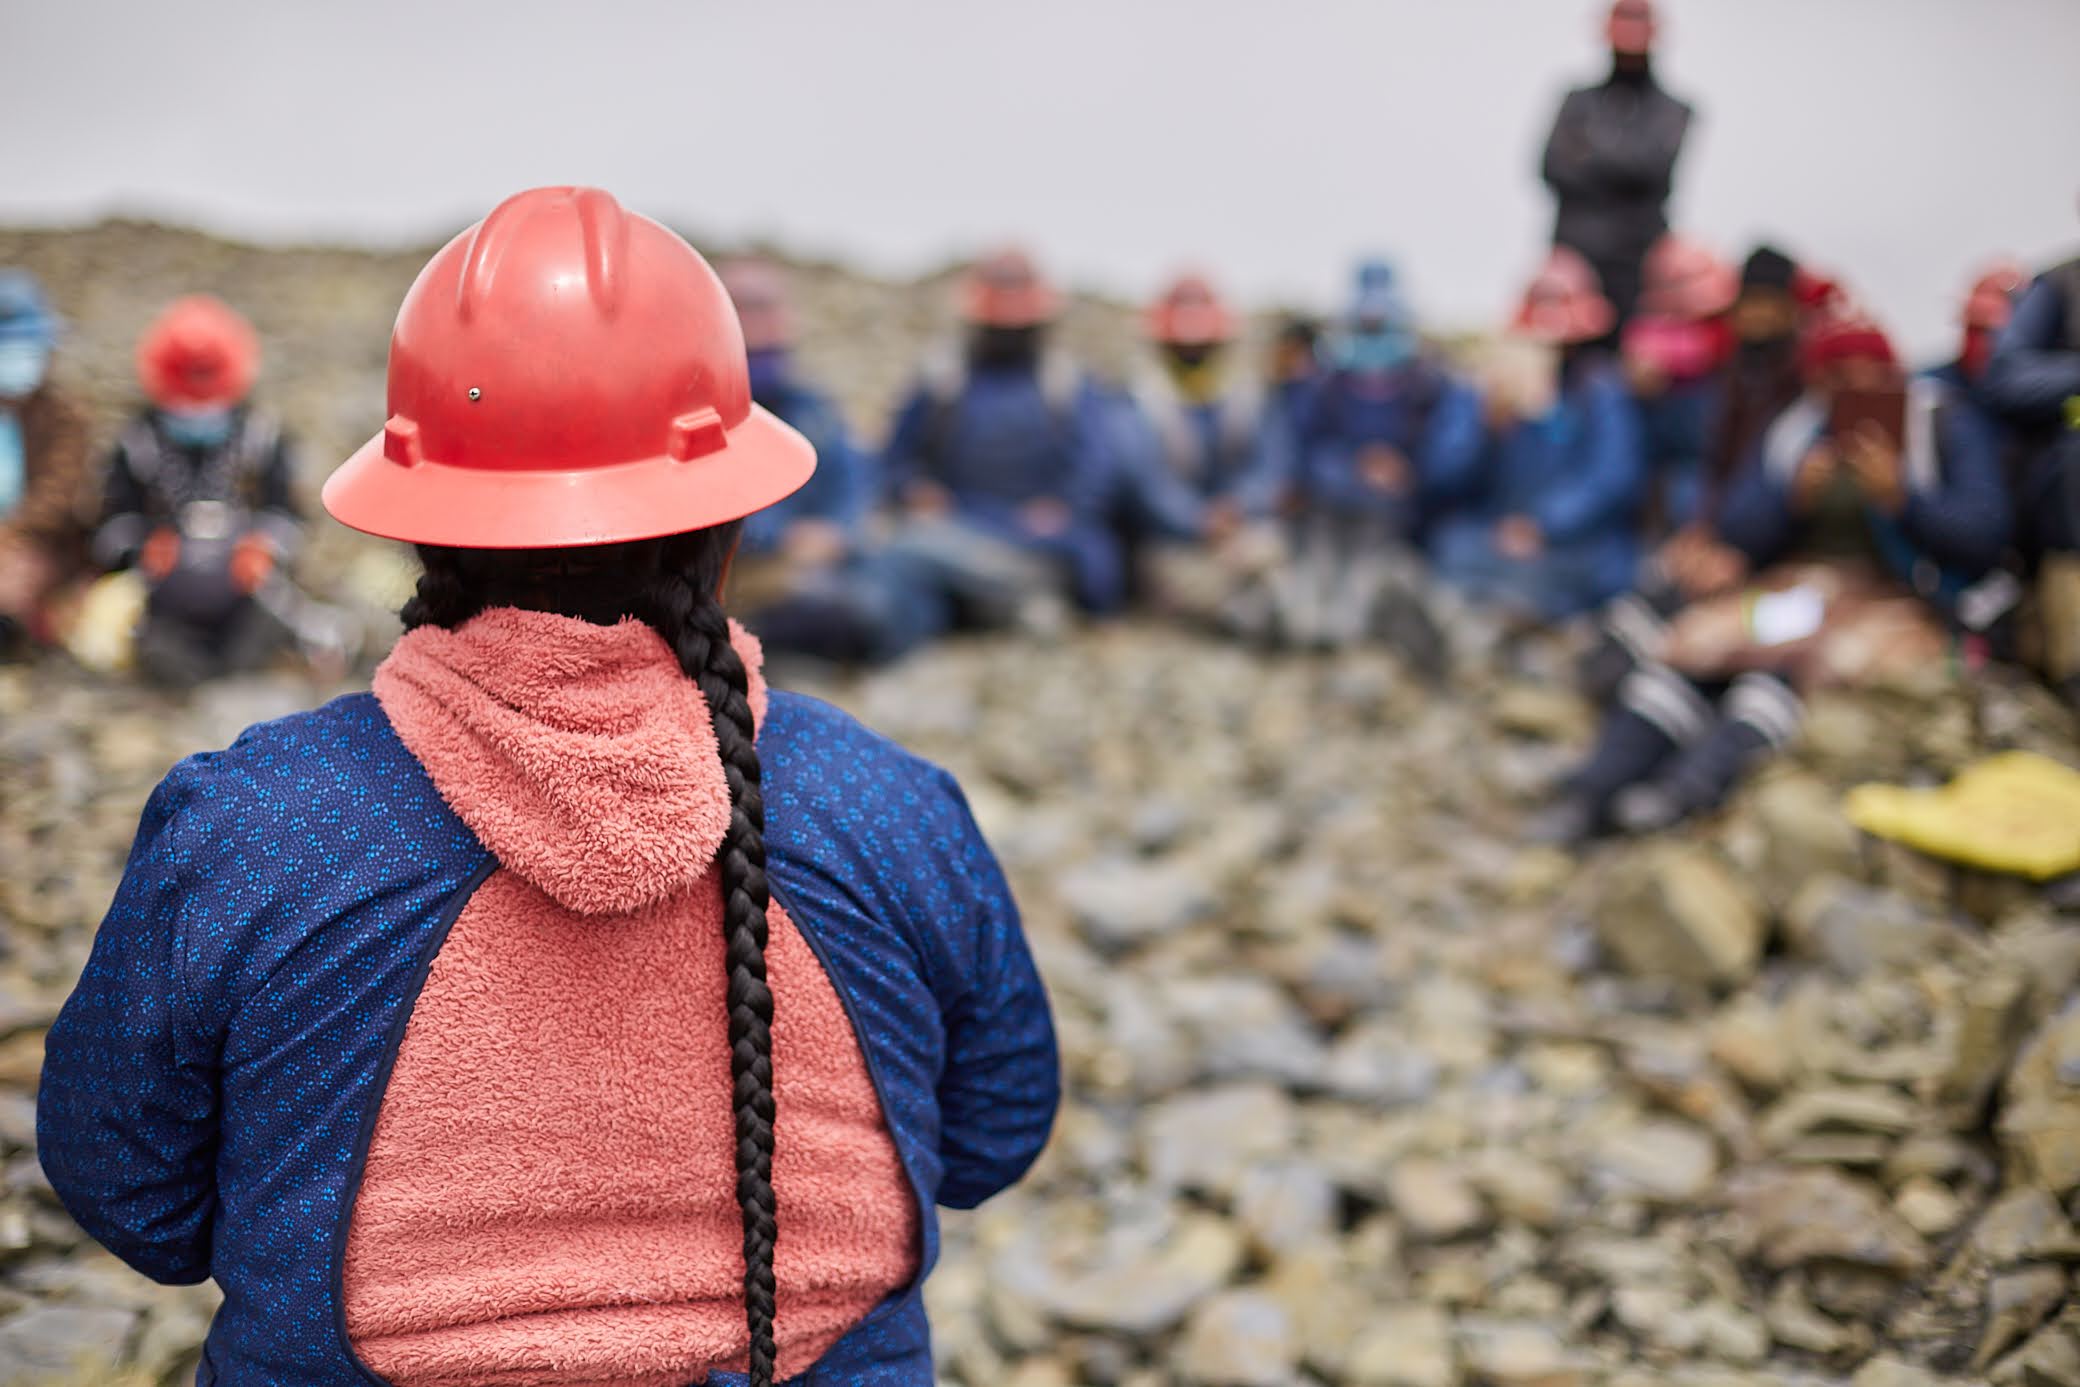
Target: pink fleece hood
(580,755)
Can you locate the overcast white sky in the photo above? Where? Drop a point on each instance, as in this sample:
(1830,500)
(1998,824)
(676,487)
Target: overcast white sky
(1896,140)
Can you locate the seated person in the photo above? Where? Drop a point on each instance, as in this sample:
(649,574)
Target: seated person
(1386,425)
(1002,464)
(43,468)
(806,574)
(2032,383)
(1675,351)
(199,498)
(1544,524)
(1860,533)
(1205,459)
(1775,301)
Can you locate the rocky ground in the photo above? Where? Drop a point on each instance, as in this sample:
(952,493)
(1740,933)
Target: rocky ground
(1361,1090)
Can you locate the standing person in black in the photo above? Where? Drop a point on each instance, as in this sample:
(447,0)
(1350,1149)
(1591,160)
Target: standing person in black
(1611,159)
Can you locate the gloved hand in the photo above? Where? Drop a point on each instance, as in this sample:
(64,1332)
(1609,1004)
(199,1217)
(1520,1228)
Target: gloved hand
(160,553)
(252,560)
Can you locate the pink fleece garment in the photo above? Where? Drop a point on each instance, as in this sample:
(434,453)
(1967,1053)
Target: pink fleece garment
(550,1191)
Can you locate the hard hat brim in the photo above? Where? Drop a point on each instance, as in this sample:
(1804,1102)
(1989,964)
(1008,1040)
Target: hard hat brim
(763,461)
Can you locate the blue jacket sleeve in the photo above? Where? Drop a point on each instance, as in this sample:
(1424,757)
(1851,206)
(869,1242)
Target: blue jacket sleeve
(1148,487)
(1002,1083)
(2030,377)
(1754,515)
(903,460)
(1604,479)
(1263,482)
(1964,522)
(126,1119)
(1450,464)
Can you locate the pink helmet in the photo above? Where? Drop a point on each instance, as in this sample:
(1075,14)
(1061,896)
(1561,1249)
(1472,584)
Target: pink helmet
(1564,303)
(1006,289)
(1682,278)
(759,291)
(1190,313)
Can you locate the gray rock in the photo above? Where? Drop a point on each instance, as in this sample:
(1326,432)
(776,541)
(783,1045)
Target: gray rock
(1856,930)
(1124,902)
(1287,1206)
(1791,1218)
(1405,1346)
(1434,1200)
(1240,1338)
(64,1341)
(1209,1141)
(1675,912)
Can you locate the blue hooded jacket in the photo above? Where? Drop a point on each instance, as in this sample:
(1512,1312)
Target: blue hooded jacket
(211,1088)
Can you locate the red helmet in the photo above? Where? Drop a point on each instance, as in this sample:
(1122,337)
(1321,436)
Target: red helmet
(1631,27)
(1564,302)
(1005,289)
(1682,278)
(199,353)
(1991,301)
(1190,313)
(566,373)
(759,292)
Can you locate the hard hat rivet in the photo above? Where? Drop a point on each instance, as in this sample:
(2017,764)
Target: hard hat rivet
(475,394)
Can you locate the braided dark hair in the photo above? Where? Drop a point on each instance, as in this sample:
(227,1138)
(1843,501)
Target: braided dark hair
(671,584)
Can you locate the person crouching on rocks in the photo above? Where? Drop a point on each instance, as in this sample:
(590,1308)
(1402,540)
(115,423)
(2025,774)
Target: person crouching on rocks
(43,468)
(573,1008)
(199,498)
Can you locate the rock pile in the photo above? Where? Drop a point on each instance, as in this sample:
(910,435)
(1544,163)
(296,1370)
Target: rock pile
(1361,1090)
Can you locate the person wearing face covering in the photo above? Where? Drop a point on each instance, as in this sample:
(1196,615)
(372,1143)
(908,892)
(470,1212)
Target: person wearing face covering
(807,575)
(1611,159)
(199,498)
(1387,428)
(1759,381)
(1003,463)
(1544,526)
(2032,382)
(43,465)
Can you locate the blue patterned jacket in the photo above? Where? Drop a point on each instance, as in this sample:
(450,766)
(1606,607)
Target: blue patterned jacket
(211,1088)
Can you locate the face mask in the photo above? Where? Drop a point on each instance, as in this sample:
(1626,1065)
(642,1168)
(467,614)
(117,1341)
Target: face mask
(22,368)
(769,372)
(1004,347)
(1375,351)
(196,428)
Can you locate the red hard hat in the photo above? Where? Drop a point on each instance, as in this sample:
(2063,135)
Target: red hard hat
(1631,27)
(199,353)
(1005,289)
(566,373)
(1190,313)
(1682,278)
(1564,302)
(1991,301)
(759,292)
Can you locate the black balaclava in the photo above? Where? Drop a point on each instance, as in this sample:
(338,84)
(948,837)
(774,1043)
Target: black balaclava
(1631,69)
(993,348)
(1771,269)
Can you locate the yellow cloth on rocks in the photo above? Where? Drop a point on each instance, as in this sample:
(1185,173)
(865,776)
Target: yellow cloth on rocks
(2017,812)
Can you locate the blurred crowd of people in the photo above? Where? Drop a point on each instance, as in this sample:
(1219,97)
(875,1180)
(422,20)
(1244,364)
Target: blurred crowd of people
(1725,469)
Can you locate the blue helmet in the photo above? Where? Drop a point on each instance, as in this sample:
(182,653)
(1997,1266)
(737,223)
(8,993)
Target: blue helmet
(1378,331)
(1376,299)
(25,314)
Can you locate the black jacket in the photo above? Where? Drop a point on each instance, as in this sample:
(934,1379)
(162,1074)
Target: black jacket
(1611,161)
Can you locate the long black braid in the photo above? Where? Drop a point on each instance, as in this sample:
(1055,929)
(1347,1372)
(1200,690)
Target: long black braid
(671,584)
